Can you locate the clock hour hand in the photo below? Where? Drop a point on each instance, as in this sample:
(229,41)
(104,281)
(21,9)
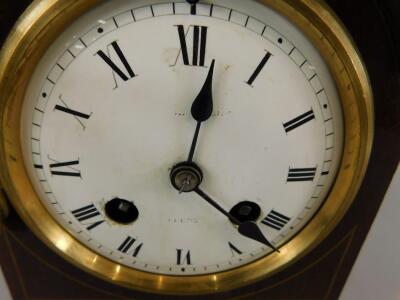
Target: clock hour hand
(248,229)
(202,107)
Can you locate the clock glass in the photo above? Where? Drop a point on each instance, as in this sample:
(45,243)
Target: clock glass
(182,139)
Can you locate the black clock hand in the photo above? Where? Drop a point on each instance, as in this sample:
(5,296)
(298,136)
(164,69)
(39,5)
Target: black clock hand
(248,229)
(202,108)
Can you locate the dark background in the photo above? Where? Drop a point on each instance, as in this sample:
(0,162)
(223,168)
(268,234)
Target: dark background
(34,272)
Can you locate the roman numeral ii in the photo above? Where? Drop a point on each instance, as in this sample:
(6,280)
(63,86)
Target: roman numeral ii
(299,121)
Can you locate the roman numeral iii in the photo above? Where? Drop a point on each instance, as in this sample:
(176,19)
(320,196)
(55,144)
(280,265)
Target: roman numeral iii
(126,74)
(303,174)
(298,121)
(199,45)
(275,220)
(128,244)
(86,213)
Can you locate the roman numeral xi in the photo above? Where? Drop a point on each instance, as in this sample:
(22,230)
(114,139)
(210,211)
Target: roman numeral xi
(116,65)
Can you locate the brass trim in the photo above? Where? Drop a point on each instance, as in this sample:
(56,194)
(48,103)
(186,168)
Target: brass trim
(36,30)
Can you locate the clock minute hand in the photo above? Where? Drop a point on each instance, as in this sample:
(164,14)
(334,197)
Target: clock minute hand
(202,107)
(248,229)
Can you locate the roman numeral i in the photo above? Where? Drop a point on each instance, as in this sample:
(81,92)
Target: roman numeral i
(259,68)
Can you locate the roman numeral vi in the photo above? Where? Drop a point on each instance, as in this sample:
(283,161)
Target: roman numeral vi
(183,257)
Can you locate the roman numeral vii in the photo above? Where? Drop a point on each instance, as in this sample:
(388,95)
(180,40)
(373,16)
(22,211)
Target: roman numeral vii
(128,244)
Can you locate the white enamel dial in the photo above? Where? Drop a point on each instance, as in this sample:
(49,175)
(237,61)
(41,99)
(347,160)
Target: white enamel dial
(108,114)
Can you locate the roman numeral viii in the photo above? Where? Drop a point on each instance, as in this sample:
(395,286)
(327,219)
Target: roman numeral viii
(60,168)
(199,45)
(86,213)
(275,220)
(304,174)
(116,67)
(298,121)
(128,244)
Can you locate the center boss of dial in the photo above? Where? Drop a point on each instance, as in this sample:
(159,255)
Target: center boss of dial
(186,177)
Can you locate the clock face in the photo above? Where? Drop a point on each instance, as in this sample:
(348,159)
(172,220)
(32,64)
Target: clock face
(113,110)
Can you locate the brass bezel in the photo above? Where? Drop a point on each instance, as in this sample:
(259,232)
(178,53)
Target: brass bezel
(38,28)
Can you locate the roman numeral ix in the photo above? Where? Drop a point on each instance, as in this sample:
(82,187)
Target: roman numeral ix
(298,121)
(124,75)
(199,45)
(275,220)
(86,213)
(127,245)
